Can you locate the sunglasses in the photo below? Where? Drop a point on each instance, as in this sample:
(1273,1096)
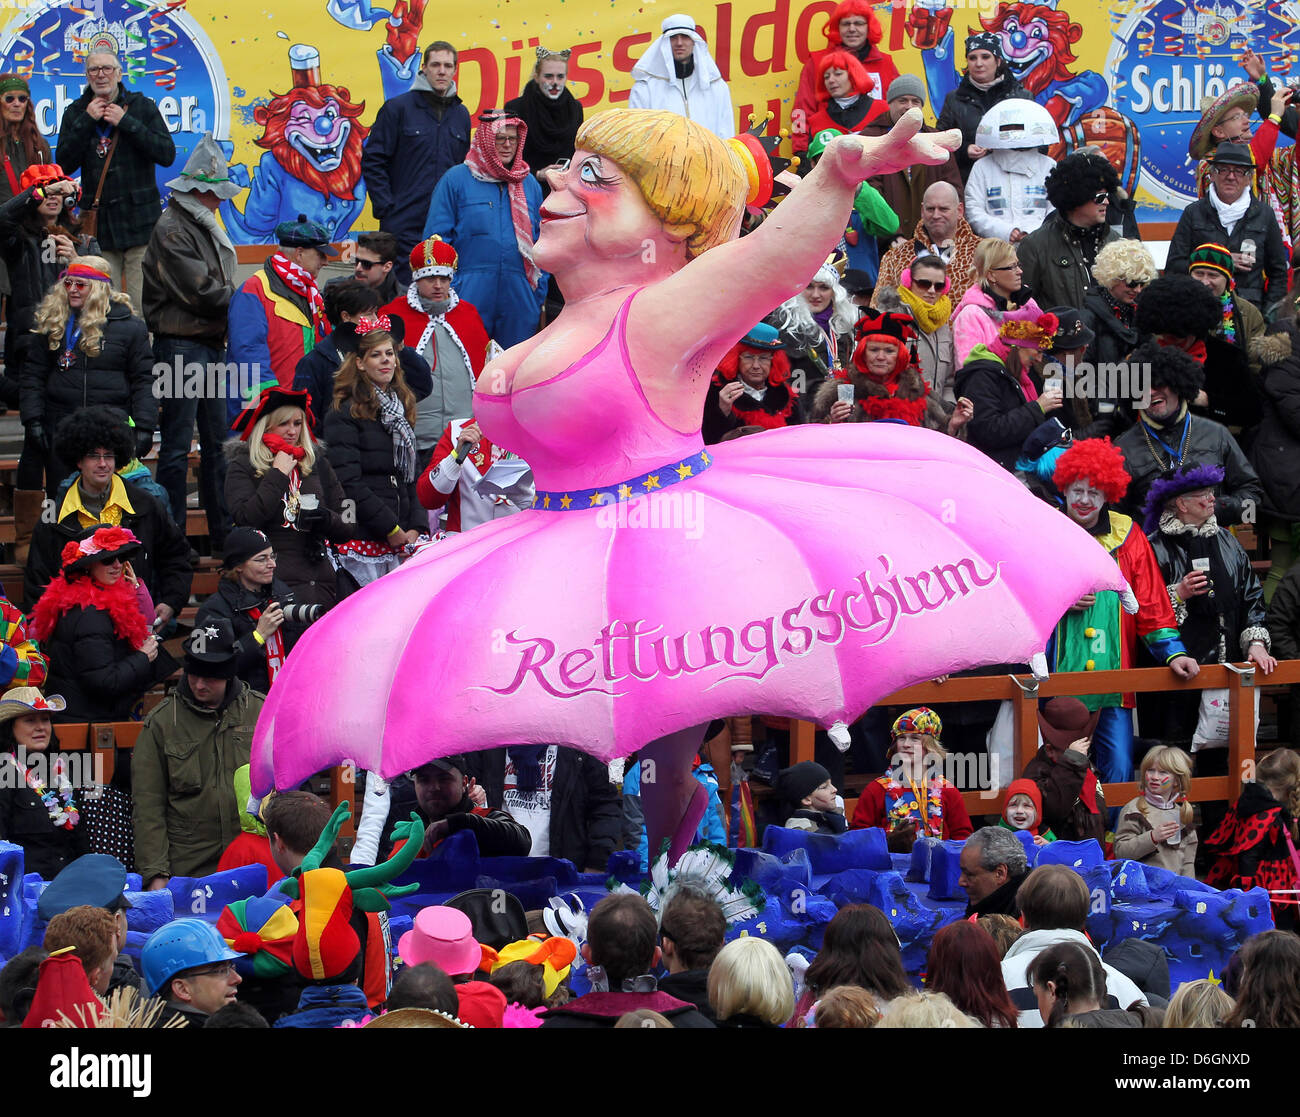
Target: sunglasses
(1010,267)
(1224,171)
(366,265)
(1135,284)
(16,98)
(76,284)
(929,284)
(1101,197)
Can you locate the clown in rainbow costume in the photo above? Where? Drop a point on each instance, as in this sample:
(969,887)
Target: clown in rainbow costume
(1096,634)
(827,566)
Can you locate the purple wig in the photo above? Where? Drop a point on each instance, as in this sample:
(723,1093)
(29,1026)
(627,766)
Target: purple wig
(1175,482)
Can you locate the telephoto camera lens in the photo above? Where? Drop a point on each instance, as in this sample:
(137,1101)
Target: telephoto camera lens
(303,615)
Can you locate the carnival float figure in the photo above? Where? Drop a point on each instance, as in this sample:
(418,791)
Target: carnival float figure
(657,584)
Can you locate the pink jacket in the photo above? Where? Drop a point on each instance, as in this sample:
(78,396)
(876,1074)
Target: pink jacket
(975,322)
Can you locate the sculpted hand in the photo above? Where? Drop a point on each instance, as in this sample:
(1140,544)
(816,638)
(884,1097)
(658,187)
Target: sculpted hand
(857,158)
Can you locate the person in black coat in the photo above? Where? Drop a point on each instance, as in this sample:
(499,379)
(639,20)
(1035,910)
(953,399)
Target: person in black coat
(97,442)
(1276,448)
(991,379)
(371,445)
(38,810)
(252,599)
(416,138)
(290,493)
(552,113)
(103,656)
(346,302)
(86,349)
(586,810)
(986,82)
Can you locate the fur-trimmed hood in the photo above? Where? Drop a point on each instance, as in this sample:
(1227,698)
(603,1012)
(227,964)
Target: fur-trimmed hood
(911,386)
(1272,349)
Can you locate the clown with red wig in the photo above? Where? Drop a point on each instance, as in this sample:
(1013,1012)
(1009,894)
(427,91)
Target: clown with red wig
(854,29)
(1096,634)
(844,95)
(886,382)
(752,387)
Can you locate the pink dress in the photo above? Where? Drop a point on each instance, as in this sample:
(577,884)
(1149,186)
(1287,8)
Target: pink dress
(803,572)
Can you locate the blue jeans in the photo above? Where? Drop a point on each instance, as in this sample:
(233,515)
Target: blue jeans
(177,414)
(1112,745)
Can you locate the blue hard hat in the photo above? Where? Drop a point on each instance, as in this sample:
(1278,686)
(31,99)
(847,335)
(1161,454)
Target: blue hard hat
(180,945)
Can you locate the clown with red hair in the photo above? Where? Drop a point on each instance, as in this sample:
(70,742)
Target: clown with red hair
(751,387)
(844,94)
(886,382)
(852,29)
(1096,634)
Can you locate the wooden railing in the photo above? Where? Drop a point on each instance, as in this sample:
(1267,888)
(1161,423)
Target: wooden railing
(1242,682)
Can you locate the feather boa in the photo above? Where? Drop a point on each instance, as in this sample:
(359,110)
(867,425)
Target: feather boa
(118,601)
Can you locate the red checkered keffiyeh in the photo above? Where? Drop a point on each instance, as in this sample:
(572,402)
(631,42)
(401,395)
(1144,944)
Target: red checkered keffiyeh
(485,165)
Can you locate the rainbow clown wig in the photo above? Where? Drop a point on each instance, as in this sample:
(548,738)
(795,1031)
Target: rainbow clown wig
(1098,461)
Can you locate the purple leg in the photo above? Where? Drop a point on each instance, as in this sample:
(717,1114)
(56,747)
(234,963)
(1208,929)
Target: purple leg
(673,800)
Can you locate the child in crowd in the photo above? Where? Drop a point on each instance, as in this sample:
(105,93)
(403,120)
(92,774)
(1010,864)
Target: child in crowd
(1023,810)
(1156,827)
(1254,843)
(809,800)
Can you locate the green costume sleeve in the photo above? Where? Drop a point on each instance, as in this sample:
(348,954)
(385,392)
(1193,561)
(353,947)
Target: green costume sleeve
(876,215)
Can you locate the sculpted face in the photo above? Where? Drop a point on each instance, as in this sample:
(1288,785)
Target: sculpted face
(595,209)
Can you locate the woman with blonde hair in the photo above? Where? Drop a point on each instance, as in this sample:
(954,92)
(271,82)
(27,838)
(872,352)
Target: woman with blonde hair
(924,1010)
(370,442)
(1120,272)
(87,348)
(278,482)
(1199,1004)
(750,985)
(1156,826)
(997,289)
(816,328)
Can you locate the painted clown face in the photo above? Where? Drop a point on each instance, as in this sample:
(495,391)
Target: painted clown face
(319,135)
(1021,813)
(1083,503)
(1025,45)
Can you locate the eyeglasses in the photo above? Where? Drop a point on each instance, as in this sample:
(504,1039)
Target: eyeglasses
(1101,197)
(219,969)
(1230,172)
(1010,267)
(929,284)
(102,456)
(76,284)
(16,98)
(853,24)
(97,71)
(263,560)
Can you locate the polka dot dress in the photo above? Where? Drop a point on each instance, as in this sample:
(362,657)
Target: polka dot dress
(107,820)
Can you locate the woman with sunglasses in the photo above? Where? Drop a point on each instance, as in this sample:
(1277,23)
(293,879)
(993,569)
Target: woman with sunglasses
(92,622)
(997,289)
(922,293)
(87,349)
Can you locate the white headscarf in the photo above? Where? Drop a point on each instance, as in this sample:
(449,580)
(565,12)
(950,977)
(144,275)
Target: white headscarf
(657,62)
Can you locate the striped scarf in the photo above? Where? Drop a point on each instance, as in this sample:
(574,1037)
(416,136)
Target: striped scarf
(393,417)
(485,165)
(301,283)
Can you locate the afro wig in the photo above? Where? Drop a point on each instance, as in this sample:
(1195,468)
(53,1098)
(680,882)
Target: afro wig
(1097,460)
(90,429)
(1178,305)
(1076,178)
(1169,368)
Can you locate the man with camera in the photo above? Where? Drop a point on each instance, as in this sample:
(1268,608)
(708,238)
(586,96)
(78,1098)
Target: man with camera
(259,607)
(184,762)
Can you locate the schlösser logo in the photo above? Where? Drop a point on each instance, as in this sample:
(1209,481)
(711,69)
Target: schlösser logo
(164,56)
(1165,57)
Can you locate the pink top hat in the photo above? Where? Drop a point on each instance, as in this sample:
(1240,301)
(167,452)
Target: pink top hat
(443,936)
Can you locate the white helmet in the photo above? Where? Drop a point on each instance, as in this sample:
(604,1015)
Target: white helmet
(1016,123)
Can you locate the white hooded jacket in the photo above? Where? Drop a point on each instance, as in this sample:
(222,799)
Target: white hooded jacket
(702,97)
(1020,956)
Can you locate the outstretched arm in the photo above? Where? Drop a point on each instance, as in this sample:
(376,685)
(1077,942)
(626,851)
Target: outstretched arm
(729,288)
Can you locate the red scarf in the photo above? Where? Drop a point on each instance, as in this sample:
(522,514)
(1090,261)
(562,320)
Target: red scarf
(278,445)
(1196,350)
(485,164)
(274,648)
(300,281)
(911,411)
(119,601)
